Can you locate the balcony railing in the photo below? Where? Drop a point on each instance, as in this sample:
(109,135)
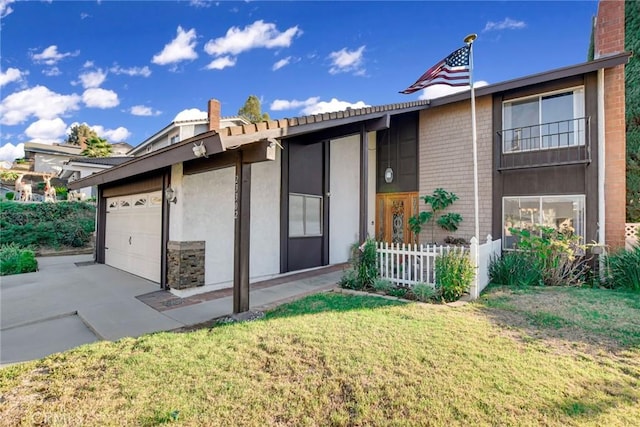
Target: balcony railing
(549,144)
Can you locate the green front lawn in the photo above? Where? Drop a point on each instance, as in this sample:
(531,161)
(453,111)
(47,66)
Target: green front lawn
(556,356)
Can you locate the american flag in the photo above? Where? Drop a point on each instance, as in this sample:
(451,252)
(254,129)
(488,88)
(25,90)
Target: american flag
(452,70)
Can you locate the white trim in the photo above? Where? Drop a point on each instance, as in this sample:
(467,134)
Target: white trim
(601,160)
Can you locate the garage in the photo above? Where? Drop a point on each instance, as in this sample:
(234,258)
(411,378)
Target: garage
(133,234)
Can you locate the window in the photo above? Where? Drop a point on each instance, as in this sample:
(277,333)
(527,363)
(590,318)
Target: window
(305,215)
(174,139)
(563,213)
(551,120)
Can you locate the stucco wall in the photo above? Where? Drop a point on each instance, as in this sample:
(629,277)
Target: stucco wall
(371,174)
(344,205)
(204,211)
(446,161)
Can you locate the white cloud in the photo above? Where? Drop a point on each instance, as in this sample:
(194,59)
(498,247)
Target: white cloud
(179,49)
(505,24)
(437,91)
(112,135)
(84,15)
(260,34)
(5,9)
(283,62)
(142,110)
(313,105)
(283,104)
(131,71)
(190,114)
(51,72)
(37,101)
(100,98)
(92,79)
(345,61)
(11,152)
(51,56)
(221,63)
(201,3)
(88,64)
(46,130)
(11,75)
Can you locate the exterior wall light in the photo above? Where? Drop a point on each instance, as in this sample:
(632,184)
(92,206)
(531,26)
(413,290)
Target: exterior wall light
(388,175)
(170,195)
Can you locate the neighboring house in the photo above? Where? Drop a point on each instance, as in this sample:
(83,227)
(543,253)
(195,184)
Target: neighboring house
(48,158)
(81,167)
(184,126)
(120,149)
(549,146)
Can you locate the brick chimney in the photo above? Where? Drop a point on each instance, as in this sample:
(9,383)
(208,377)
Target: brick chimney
(214,114)
(608,40)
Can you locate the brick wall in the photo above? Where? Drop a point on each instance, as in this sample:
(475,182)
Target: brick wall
(609,39)
(446,161)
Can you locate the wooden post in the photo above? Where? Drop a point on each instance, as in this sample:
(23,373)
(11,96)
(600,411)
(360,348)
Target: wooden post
(242,216)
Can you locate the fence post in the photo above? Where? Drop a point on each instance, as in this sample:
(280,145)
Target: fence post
(473,256)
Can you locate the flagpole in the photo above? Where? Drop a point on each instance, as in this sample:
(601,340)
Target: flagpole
(469,41)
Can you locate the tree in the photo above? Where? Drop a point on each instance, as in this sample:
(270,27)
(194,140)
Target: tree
(439,201)
(252,110)
(80,134)
(97,147)
(632,97)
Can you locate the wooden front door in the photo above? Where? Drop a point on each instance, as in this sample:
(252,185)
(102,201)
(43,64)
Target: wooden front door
(393,211)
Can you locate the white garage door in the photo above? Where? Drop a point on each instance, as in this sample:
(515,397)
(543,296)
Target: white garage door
(133,234)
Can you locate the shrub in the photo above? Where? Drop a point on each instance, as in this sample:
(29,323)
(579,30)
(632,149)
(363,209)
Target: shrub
(424,292)
(16,260)
(364,267)
(454,274)
(623,269)
(438,201)
(382,285)
(558,256)
(10,196)
(514,268)
(398,292)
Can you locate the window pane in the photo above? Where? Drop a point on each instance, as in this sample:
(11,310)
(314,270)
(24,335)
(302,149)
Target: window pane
(557,120)
(520,213)
(313,216)
(565,214)
(296,215)
(521,119)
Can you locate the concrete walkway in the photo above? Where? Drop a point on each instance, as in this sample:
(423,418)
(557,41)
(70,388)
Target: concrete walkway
(71,301)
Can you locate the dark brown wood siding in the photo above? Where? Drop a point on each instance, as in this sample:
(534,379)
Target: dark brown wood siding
(575,179)
(398,147)
(133,185)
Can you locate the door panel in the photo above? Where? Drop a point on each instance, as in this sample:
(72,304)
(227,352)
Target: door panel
(393,211)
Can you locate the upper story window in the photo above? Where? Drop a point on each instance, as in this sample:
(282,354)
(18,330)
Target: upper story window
(550,120)
(174,139)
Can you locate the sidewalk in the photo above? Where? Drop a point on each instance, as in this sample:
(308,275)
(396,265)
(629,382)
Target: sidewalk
(71,301)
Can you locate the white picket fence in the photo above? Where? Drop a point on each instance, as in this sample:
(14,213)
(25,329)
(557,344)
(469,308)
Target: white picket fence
(407,265)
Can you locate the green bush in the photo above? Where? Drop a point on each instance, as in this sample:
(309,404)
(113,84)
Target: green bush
(398,292)
(558,256)
(424,292)
(364,267)
(382,285)
(47,224)
(623,270)
(10,196)
(454,274)
(16,260)
(514,268)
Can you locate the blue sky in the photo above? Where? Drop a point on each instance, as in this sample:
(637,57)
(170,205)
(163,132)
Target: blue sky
(128,68)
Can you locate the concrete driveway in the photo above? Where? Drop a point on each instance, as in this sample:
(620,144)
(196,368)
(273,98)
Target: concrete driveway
(70,302)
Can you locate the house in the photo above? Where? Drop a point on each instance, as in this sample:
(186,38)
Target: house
(48,158)
(186,124)
(233,205)
(80,167)
(120,149)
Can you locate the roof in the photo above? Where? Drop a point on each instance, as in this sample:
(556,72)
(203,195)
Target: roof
(63,150)
(217,141)
(107,161)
